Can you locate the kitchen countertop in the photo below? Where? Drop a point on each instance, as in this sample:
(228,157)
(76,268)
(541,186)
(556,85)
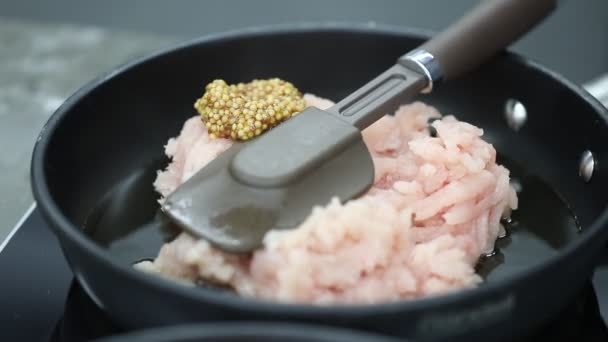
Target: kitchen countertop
(40,66)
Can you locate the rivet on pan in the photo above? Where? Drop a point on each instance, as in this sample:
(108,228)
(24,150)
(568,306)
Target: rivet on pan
(516,114)
(587,164)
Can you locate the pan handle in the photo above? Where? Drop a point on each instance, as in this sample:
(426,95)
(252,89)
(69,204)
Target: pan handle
(488,28)
(598,88)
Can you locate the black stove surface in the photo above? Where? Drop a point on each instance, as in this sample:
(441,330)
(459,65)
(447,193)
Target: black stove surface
(41,302)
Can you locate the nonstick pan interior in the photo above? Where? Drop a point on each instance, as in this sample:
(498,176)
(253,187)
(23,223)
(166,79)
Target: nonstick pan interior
(100,154)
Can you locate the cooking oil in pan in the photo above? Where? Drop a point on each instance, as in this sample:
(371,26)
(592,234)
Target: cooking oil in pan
(129,223)
(127,220)
(542,224)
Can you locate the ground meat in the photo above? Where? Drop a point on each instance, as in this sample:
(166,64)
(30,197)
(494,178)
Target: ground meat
(435,207)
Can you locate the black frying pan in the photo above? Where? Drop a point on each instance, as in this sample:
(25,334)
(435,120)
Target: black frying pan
(94,163)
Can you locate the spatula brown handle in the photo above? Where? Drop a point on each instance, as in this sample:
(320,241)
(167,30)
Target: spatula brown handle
(485,30)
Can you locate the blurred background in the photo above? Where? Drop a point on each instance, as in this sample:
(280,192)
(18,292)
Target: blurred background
(50,48)
(573,41)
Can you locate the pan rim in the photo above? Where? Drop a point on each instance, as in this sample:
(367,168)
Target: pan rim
(63,227)
(250,328)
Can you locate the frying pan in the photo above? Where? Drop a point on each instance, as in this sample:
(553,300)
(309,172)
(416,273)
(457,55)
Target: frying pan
(96,158)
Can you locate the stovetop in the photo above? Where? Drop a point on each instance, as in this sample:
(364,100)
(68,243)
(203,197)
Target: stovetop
(40,301)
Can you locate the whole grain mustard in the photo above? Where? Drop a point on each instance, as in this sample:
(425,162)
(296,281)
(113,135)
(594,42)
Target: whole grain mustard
(245,110)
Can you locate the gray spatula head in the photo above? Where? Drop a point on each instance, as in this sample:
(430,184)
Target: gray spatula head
(252,188)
